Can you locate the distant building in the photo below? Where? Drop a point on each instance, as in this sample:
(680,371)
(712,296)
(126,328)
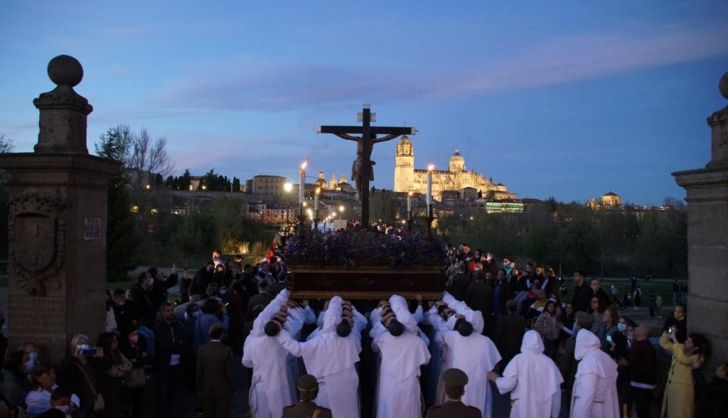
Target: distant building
(269,213)
(455,178)
(266,185)
(608,200)
(504,206)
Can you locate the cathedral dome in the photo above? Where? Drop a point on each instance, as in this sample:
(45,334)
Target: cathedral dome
(457,162)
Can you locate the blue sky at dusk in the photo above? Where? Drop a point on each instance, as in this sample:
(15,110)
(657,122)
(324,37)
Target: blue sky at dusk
(566,99)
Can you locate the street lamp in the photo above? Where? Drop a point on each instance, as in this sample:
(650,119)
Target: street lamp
(316,207)
(409,210)
(288,187)
(430,169)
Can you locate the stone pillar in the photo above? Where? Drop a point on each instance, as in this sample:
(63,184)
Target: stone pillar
(707,197)
(57,223)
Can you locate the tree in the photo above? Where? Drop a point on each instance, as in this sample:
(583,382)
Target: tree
(114,144)
(6,144)
(147,158)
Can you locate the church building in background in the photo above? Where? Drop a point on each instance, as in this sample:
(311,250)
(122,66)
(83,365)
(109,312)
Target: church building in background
(455,179)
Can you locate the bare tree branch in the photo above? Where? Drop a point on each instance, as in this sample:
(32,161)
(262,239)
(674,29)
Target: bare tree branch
(6,144)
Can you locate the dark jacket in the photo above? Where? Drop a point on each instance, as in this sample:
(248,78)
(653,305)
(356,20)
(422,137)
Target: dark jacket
(581,299)
(643,362)
(168,337)
(479,297)
(124,315)
(715,397)
(215,376)
(509,334)
(305,409)
(71,377)
(137,355)
(256,304)
(680,328)
(452,409)
(159,290)
(459,286)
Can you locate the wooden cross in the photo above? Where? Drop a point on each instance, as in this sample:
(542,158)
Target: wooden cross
(362,171)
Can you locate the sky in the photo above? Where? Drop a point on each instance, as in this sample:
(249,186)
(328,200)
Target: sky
(568,99)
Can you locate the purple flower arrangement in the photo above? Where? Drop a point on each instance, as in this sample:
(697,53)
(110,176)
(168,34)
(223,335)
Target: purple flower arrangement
(356,248)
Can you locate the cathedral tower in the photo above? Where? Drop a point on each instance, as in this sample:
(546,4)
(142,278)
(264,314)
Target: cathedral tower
(404,165)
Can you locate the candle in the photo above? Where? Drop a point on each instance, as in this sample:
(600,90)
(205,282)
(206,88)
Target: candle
(316,201)
(301,182)
(429,188)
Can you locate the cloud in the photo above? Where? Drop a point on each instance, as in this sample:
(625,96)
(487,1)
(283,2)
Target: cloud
(253,84)
(594,56)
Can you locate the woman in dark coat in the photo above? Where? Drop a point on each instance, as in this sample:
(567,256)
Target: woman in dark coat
(134,348)
(114,367)
(77,374)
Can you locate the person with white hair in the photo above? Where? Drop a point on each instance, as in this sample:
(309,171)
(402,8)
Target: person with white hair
(402,354)
(331,357)
(595,387)
(533,380)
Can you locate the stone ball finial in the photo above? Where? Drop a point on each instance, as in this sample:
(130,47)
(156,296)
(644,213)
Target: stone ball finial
(64,70)
(723,85)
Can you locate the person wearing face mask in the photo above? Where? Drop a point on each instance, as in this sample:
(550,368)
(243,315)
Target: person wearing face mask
(134,348)
(61,404)
(141,298)
(618,348)
(642,371)
(31,350)
(14,379)
(160,285)
(39,400)
(77,373)
(678,322)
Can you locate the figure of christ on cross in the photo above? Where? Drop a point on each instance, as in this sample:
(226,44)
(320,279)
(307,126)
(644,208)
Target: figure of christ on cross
(362,171)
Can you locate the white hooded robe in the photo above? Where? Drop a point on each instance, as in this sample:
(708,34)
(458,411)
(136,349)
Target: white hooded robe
(595,387)
(398,390)
(533,380)
(269,390)
(332,360)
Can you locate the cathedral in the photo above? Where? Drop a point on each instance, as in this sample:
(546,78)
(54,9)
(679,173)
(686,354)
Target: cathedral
(455,179)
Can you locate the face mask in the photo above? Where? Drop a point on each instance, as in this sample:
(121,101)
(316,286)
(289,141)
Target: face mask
(679,317)
(622,327)
(64,408)
(150,281)
(29,365)
(222,292)
(196,314)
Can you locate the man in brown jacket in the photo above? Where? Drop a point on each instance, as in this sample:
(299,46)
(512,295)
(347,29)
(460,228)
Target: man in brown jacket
(215,379)
(306,408)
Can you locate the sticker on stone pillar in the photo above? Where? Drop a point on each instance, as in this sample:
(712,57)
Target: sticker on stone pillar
(91,229)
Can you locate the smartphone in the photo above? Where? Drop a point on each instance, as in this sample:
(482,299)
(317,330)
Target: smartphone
(609,338)
(86,350)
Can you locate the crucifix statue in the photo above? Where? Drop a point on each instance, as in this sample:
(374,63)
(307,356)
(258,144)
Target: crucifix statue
(362,171)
